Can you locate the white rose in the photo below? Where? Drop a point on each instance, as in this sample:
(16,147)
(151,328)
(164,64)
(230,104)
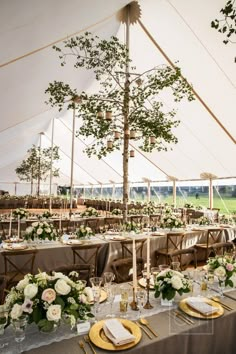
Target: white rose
(35,224)
(220,271)
(54,313)
(39,231)
(30,291)
(22,284)
(62,287)
(48,230)
(176,282)
(16,311)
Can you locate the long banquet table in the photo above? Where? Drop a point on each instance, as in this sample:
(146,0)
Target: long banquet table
(174,336)
(55,254)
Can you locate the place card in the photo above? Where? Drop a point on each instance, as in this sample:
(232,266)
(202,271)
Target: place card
(83,327)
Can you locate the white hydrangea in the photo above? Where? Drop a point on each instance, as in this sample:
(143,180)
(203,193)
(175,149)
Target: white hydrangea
(176,282)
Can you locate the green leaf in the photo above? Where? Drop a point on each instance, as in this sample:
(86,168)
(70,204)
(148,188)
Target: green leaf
(60,301)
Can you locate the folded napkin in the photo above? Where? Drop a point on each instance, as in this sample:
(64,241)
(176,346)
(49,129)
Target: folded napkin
(202,307)
(89,293)
(115,331)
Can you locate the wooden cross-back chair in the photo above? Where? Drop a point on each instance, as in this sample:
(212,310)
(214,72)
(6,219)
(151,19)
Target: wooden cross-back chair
(126,247)
(121,269)
(86,254)
(220,248)
(17,264)
(214,235)
(174,242)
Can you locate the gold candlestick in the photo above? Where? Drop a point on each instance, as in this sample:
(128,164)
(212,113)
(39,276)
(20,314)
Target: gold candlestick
(133,304)
(148,306)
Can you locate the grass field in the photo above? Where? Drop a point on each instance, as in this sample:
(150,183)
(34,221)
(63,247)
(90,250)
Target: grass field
(227,206)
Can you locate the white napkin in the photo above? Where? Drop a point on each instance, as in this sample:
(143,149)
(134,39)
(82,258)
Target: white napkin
(115,331)
(89,293)
(198,304)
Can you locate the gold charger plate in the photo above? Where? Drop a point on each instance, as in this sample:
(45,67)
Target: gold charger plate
(99,338)
(11,240)
(194,313)
(142,282)
(12,248)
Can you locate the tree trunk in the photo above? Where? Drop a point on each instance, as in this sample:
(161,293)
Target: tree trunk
(126,130)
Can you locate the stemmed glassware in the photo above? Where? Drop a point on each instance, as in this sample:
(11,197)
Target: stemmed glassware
(111,293)
(96,283)
(141,300)
(222,279)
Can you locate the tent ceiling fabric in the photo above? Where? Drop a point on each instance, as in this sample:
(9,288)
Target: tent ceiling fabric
(180,27)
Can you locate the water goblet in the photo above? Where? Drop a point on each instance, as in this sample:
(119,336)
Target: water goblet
(154,273)
(96,283)
(141,300)
(210,281)
(19,326)
(111,293)
(108,277)
(221,279)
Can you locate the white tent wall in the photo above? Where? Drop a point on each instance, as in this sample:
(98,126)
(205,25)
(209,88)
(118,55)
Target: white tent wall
(180,27)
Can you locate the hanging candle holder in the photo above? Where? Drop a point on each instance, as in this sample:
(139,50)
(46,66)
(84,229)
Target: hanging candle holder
(108,116)
(131,153)
(100,115)
(152,139)
(109,144)
(117,135)
(132,134)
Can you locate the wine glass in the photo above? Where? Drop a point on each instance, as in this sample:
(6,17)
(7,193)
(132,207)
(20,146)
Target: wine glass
(175,266)
(210,281)
(96,283)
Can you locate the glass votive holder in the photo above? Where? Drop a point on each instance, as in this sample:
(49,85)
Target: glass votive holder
(19,326)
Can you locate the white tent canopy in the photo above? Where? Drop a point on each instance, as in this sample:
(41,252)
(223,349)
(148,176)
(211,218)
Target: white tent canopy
(181,28)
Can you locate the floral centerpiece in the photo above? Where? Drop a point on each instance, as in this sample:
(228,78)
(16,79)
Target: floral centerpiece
(40,230)
(132,226)
(116,211)
(225,219)
(83,232)
(224,267)
(89,212)
(188,205)
(168,210)
(47,214)
(149,209)
(170,221)
(168,282)
(47,300)
(204,220)
(134,211)
(21,213)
